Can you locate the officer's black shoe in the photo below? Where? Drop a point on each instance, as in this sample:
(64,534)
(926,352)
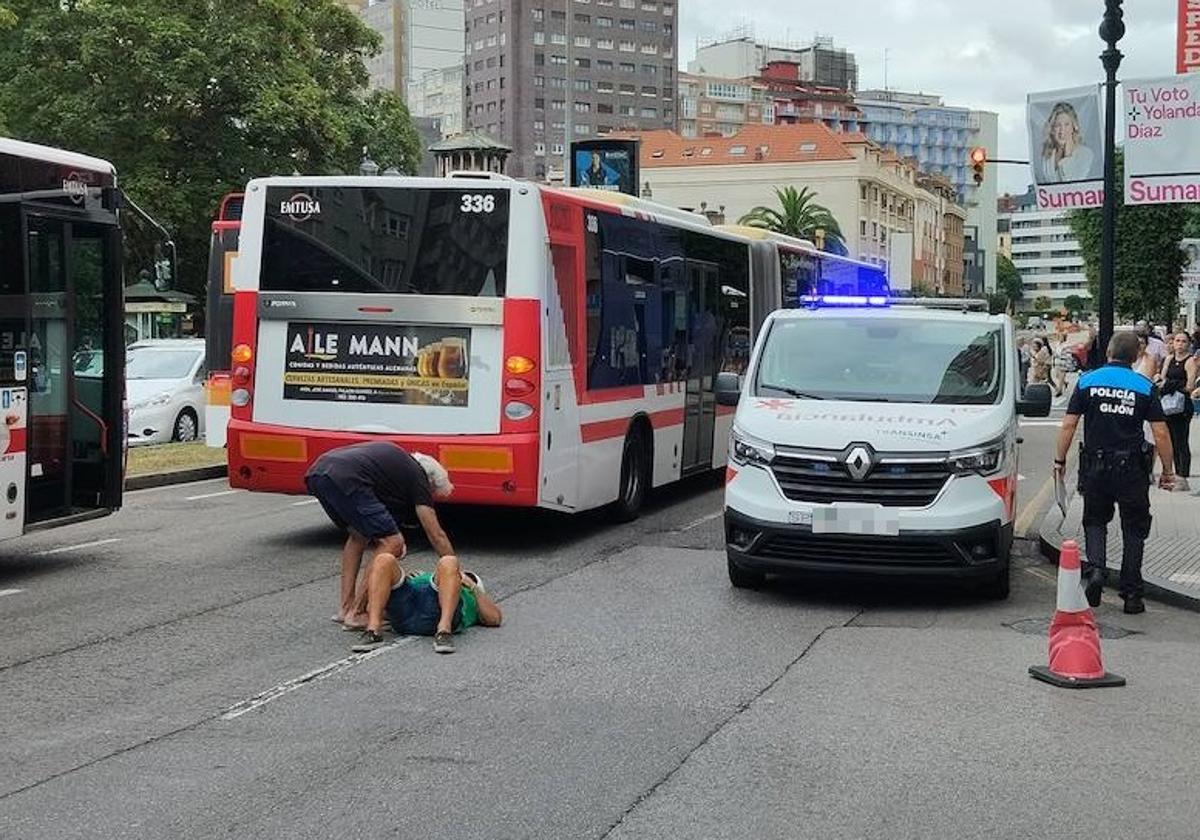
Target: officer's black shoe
(1094,586)
(1134,605)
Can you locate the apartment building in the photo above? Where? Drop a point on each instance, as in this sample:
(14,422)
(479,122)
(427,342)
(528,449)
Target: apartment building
(541,73)
(438,95)
(940,137)
(417,36)
(740,56)
(872,192)
(1047,255)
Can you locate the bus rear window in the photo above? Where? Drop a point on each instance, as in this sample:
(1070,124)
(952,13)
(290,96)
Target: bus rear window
(386,240)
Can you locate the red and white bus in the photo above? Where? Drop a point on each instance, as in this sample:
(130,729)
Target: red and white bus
(218,322)
(552,348)
(62,353)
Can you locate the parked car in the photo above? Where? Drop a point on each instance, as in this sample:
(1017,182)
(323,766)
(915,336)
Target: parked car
(165,389)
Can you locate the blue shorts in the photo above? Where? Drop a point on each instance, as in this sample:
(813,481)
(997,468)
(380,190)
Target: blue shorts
(413,609)
(357,509)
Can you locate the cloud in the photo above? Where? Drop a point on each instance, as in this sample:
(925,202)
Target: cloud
(986,56)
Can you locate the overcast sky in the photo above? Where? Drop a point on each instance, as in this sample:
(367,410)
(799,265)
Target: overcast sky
(982,55)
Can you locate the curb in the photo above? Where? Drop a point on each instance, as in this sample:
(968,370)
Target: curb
(1155,587)
(163,479)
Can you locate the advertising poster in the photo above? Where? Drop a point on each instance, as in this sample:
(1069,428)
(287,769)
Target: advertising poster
(1066,147)
(605,165)
(1162,140)
(1189,288)
(1187,49)
(377,363)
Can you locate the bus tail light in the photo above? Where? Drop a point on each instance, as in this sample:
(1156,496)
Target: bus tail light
(517,365)
(241,376)
(240,397)
(518,387)
(518,410)
(242,354)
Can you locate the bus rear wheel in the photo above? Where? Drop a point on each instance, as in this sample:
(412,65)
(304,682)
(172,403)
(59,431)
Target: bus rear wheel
(635,476)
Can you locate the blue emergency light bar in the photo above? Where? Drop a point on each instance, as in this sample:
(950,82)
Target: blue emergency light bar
(845,300)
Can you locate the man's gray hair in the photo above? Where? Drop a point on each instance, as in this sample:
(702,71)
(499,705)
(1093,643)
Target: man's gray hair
(1123,347)
(439,479)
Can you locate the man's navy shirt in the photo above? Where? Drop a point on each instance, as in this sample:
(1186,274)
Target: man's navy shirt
(1115,401)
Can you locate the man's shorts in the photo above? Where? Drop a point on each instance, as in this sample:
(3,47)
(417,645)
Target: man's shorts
(357,509)
(413,609)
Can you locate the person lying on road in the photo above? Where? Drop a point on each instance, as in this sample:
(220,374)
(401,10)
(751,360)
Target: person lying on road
(367,488)
(434,604)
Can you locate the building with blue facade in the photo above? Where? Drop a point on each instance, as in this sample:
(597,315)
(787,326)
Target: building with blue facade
(940,138)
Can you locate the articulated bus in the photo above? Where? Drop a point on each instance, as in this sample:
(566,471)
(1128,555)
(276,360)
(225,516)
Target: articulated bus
(62,354)
(218,322)
(551,347)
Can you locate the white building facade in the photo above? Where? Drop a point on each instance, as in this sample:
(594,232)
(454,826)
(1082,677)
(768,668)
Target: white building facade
(1047,255)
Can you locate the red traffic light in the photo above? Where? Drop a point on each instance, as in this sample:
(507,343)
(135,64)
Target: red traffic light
(978,161)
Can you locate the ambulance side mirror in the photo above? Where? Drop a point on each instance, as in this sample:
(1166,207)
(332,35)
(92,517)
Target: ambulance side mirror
(1035,402)
(729,388)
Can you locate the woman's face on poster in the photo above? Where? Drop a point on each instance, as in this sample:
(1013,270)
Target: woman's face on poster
(1062,129)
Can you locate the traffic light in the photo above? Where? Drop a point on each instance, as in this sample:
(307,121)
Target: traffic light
(978,161)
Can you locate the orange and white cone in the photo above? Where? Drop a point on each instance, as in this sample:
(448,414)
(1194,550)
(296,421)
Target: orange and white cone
(1075,660)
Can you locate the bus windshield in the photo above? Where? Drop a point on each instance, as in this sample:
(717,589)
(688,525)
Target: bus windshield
(893,361)
(386,240)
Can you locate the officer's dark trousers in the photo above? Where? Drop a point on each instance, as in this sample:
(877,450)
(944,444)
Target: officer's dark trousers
(1125,484)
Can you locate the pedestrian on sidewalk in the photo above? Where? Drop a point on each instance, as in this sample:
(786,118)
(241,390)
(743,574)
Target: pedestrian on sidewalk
(436,604)
(368,488)
(1178,383)
(1114,465)
(1039,362)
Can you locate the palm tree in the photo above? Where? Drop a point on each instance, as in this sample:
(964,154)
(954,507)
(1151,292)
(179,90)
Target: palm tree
(798,215)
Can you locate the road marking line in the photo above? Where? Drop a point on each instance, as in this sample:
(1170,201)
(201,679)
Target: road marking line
(697,523)
(4,592)
(1178,577)
(1020,477)
(305,502)
(1027,423)
(210,495)
(263,698)
(65,548)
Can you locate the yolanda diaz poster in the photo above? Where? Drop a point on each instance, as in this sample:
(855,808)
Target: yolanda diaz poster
(1162,140)
(1066,147)
(377,363)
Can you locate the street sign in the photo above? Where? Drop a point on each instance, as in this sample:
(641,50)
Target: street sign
(1162,140)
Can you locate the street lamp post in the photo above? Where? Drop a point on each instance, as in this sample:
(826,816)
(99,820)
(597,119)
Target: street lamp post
(1112,28)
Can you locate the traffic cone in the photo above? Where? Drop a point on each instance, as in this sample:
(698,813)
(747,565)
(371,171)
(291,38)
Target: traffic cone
(1074,639)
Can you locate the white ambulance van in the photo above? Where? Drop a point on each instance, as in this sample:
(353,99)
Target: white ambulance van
(875,436)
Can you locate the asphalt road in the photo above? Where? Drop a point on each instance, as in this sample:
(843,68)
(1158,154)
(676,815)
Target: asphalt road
(171,672)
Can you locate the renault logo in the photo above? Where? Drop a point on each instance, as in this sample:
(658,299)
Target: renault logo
(859,462)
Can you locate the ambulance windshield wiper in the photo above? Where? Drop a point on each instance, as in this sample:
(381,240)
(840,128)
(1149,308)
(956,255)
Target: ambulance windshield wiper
(791,392)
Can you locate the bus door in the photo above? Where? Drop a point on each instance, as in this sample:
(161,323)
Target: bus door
(14,367)
(700,404)
(74,343)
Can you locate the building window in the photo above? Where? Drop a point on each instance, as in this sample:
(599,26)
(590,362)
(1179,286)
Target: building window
(584,19)
(558,38)
(583,84)
(539,104)
(604,43)
(604,22)
(491,40)
(557,82)
(583,41)
(560,60)
(604,87)
(649,49)
(582,128)
(862,227)
(583,107)
(539,59)
(557,148)
(649,7)
(558,104)
(539,125)
(649,26)
(491,62)
(539,15)
(604,108)
(737,151)
(603,64)
(628,23)
(539,149)
(668,8)
(649,91)
(650,69)
(583,63)
(650,113)
(539,37)
(628,67)
(628,90)
(556,14)
(627,46)
(627,110)
(491,18)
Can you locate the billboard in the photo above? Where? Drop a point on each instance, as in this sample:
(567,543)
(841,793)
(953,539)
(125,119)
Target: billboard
(377,363)
(1066,147)
(605,165)
(1189,285)
(1187,48)
(1162,140)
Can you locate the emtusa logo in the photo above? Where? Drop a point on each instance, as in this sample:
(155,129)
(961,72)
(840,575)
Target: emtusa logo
(300,208)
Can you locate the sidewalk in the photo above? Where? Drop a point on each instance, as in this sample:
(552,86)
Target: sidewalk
(1172,560)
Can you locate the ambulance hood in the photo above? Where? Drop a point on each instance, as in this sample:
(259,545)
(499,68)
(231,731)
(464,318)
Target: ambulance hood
(887,427)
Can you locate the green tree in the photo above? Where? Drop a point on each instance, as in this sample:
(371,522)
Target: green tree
(1149,263)
(1008,281)
(1074,303)
(798,215)
(1042,304)
(191,100)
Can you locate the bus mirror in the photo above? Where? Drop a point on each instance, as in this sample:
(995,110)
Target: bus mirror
(1035,402)
(729,388)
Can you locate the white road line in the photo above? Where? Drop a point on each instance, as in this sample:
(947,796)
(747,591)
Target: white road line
(66,548)
(265,697)
(305,502)
(1045,423)
(1178,577)
(697,523)
(211,495)
(4,592)
(1020,477)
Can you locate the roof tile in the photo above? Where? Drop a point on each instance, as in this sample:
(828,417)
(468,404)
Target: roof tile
(758,144)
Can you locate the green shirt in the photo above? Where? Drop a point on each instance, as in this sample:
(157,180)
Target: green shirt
(470,607)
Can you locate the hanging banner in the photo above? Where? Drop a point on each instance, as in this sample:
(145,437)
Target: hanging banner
(1187,50)
(1066,147)
(1162,140)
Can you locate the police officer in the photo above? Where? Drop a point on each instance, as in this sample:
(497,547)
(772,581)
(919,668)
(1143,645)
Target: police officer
(1115,463)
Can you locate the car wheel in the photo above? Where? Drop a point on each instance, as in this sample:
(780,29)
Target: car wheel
(186,426)
(635,476)
(744,578)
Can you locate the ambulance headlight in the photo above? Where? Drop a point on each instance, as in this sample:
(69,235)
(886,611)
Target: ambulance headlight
(746,449)
(980,460)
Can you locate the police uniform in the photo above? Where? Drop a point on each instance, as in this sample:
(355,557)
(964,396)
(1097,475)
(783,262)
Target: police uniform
(1115,464)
